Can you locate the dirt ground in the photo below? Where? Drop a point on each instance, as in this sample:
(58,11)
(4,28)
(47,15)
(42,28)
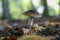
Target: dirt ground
(34,37)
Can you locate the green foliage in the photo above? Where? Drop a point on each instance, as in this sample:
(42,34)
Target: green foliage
(53,6)
(18,7)
(16,10)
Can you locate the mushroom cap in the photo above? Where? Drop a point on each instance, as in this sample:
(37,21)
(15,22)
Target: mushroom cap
(31,13)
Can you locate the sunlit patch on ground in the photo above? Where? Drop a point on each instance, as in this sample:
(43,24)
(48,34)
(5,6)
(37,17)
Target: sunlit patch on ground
(34,37)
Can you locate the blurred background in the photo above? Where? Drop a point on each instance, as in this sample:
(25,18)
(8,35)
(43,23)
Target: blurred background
(14,9)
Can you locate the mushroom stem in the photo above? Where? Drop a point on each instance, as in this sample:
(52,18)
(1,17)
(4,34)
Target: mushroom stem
(31,21)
